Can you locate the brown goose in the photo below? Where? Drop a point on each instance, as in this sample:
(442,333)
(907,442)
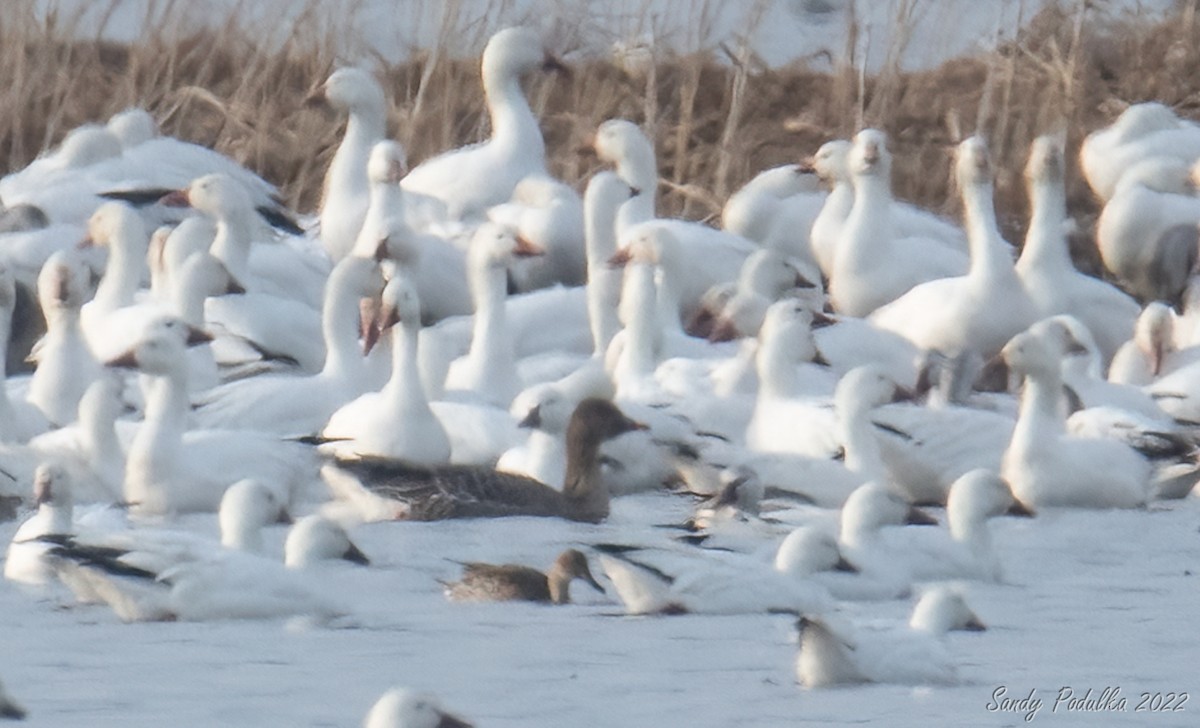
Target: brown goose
(512,582)
(425,493)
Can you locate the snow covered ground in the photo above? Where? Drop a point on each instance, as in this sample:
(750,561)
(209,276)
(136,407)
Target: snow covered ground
(1095,600)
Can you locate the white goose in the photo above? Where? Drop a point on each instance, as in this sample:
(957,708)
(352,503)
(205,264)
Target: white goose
(1045,267)
(834,652)
(169,470)
(66,366)
(866,273)
(776,209)
(300,405)
(1142,131)
(404,708)
(605,194)
(549,214)
(1048,467)
(344,195)
(976,313)
(1154,349)
(471,179)
(116,227)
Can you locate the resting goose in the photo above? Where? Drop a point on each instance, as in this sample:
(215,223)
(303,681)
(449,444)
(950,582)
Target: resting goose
(979,312)
(871,265)
(404,708)
(1142,131)
(482,582)
(473,178)
(396,489)
(1045,267)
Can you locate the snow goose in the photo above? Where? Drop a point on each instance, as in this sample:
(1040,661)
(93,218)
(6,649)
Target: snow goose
(300,405)
(315,538)
(549,214)
(812,552)
(247,506)
(766,276)
(1147,232)
(20,419)
(471,179)
(867,270)
(544,455)
(344,195)
(605,194)
(1153,350)
(169,470)
(482,582)
(404,708)
(706,582)
(62,183)
(622,144)
(976,313)
(65,366)
(9,707)
(278,269)
(869,510)
(395,489)
(396,422)
(776,209)
(1142,131)
(1045,267)
(1048,467)
(116,227)
(438,266)
(489,369)
(833,652)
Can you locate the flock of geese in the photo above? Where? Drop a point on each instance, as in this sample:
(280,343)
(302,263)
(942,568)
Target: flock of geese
(472,338)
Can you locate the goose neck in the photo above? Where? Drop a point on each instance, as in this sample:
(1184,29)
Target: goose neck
(603,292)
(167,407)
(586,495)
(857,436)
(339,329)
(514,127)
(490,327)
(1045,245)
(231,245)
(638,301)
(59,518)
(982,234)
(404,390)
(778,373)
(1040,417)
(122,276)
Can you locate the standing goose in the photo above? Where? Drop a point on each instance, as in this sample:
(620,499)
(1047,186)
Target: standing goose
(974,314)
(512,582)
(1045,267)
(471,179)
(872,265)
(65,365)
(605,194)
(396,489)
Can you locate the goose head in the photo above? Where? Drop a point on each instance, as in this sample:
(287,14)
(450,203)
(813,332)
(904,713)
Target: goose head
(769,273)
(514,52)
(1154,334)
(808,550)
(216,195)
(831,163)
(783,181)
(404,708)
(605,193)
(62,283)
(132,126)
(86,145)
(869,155)
(539,190)
(387,164)
(976,496)
(864,388)
(787,326)
(570,565)
(620,142)
(496,245)
(872,506)
(162,348)
(316,538)
(115,223)
(1047,163)
(351,90)
(973,163)
(943,609)
(1073,341)
(596,420)
(1028,354)
(245,508)
(52,486)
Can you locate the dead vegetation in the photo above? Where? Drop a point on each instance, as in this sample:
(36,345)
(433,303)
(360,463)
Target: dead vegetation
(715,122)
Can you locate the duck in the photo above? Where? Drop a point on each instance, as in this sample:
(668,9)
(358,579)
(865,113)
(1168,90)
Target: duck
(1044,464)
(1147,232)
(489,369)
(406,708)
(170,470)
(835,652)
(1142,131)
(1049,277)
(402,491)
(301,405)
(482,582)
(865,275)
(976,313)
(473,178)
(344,205)
(65,364)
(397,422)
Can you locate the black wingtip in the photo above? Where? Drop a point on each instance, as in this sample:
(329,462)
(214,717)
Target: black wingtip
(280,220)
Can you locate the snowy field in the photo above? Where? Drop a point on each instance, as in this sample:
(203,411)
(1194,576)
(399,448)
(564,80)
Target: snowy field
(1094,599)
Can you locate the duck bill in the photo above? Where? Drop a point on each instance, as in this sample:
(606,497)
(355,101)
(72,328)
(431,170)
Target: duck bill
(196,336)
(620,259)
(368,309)
(532,418)
(355,556)
(527,249)
(808,165)
(128,360)
(918,517)
(175,198)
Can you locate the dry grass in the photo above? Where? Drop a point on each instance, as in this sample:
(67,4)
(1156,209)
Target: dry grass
(715,123)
